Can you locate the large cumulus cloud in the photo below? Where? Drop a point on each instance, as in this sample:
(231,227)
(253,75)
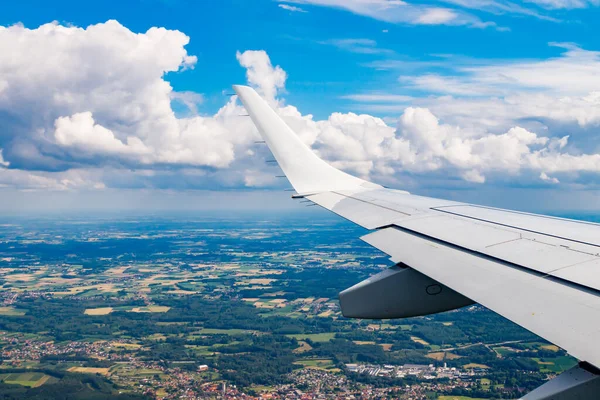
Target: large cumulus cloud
(421,145)
(92,108)
(70,94)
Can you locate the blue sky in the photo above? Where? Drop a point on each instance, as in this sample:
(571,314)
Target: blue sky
(459,98)
(320,73)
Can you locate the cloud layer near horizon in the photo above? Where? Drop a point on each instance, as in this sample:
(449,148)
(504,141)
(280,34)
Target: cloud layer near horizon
(90,108)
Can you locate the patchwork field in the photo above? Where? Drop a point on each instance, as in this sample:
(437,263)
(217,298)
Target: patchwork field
(233,332)
(11,311)
(474,365)
(98,311)
(558,364)
(303,347)
(128,346)
(29,379)
(362,343)
(316,363)
(550,347)
(441,356)
(90,370)
(151,309)
(315,337)
(419,340)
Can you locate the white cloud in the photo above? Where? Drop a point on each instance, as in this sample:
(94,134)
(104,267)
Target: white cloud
(447,85)
(107,119)
(436,146)
(100,92)
(401,12)
(546,178)
(576,66)
(568,4)
(268,80)
(561,93)
(2,162)
(534,109)
(437,16)
(360,46)
(422,145)
(500,7)
(473,176)
(80,131)
(53,181)
(378,98)
(191,100)
(292,8)
(258,178)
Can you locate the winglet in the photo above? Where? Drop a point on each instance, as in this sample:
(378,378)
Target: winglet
(306,172)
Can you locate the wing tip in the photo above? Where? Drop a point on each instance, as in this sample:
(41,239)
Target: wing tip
(241,88)
(304,169)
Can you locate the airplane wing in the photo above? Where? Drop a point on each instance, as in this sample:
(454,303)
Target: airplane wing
(540,272)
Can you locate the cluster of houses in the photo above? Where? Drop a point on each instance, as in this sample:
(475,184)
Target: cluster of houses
(422,371)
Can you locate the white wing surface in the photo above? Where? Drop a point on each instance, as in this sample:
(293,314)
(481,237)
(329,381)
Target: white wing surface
(540,272)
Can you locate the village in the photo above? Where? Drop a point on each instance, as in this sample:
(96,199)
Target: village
(427,372)
(173,381)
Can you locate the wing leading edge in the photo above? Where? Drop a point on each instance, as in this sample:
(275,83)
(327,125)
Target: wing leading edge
(539,272)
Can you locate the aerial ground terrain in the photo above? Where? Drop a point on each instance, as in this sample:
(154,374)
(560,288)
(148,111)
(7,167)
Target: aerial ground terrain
(236,306)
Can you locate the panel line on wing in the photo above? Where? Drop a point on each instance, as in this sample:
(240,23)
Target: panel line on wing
(504,262)
(440,209)
(372,203)
(506,241)
(523,213)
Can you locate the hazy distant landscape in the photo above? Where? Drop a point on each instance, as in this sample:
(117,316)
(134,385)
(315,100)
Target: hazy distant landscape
(165,307)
